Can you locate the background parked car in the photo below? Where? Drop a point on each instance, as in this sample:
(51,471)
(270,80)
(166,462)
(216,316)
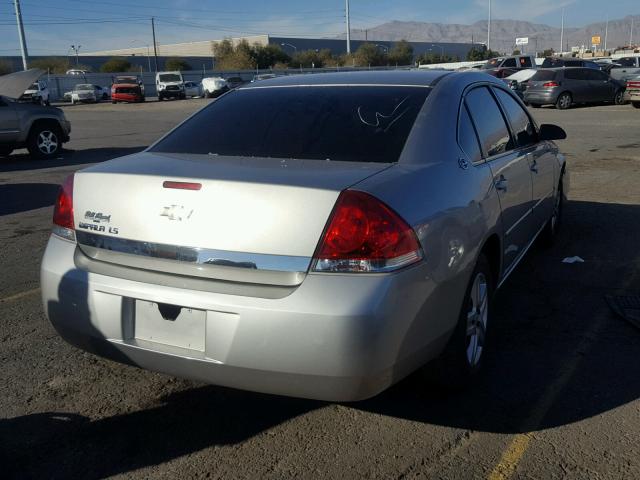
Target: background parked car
(625,68)
(84,92)
(192,89)
(127,92)
(502,67)
(519,81)
(76,71)
(564,87)
(633,91)
(235,82)
(102,93)
(214,86)
(170,85)
(556,62)
(38,92)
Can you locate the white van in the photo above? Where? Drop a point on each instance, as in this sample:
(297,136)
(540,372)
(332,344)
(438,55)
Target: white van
(170,85)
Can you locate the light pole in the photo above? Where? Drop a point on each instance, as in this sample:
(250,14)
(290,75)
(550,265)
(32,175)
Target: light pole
(148,53)
(76,49)
(489,29)
(290,45)
(441,49)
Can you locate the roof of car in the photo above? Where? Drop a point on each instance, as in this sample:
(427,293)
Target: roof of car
(422,78)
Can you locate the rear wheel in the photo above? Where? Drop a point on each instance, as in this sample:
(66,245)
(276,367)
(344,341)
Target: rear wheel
(618,99)
(45,141)
(635,104)
(564,101)
(535,105)
(463,356)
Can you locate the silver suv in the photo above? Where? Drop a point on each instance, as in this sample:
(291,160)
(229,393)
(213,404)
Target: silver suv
(42,130)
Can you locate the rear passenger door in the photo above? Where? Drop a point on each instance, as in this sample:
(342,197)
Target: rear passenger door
(9,129)
(542,161)
(510,169)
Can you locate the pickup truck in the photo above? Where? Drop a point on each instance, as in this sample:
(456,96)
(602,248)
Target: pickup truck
(628,67)
(41,129)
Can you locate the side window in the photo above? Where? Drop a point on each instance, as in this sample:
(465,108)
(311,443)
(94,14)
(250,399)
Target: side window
(572,63)
(597,75)
(521,124)
(525,62)
(467,138)
(509,63)
(492,129)
(575,74)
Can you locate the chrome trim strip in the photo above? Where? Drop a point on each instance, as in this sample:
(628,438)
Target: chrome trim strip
(516,262)
(243,88)
(518,222)
(197,262)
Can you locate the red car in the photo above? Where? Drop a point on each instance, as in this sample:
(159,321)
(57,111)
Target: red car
(126,89)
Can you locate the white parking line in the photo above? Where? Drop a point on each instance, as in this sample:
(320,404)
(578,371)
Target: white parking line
(17,296)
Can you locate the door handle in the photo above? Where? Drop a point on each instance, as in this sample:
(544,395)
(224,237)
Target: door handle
(500,183)
(534,166)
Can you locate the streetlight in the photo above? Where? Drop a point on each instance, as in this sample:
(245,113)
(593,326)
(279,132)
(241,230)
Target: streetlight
(76,49)
(146,45)
(289,45)
(441,50)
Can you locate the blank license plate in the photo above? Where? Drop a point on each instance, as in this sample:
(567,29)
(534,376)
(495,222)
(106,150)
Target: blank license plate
(187,330)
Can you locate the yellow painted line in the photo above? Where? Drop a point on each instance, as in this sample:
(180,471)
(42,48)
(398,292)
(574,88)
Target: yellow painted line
(17,296)
(516,449)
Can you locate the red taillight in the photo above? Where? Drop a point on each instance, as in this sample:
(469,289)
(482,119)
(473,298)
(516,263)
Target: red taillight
(365,235)
(63,210)
(551,84)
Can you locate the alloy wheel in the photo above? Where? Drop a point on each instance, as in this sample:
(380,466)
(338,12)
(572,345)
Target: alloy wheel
(47,142)
(477,316)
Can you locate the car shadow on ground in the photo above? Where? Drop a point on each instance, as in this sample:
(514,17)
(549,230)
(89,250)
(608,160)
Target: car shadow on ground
(22,197)
(23,161)
(561,356)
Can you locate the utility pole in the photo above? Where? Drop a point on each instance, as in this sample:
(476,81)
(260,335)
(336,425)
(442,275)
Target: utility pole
(489,29)
(606,33)
(631,34)
(562,32)
(348,28)
(155,50)
(23,42)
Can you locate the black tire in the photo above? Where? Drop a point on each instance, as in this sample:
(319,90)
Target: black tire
(45,140)
(183,96)
(564,101)
(462,359)
(635,104)
(535,105)
(143,99)
(114,102)
(618,98)
(160,98)
(5,151)
(550,232)
(208,94)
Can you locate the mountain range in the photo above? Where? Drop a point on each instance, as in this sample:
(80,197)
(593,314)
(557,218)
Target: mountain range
(504,33)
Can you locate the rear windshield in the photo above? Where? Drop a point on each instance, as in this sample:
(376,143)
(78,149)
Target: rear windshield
(552,62)
(130,90)
(357,124)
(83,87)
(126,80)
(544,76)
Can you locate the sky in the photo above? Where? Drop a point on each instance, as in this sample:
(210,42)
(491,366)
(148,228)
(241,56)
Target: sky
(51,27)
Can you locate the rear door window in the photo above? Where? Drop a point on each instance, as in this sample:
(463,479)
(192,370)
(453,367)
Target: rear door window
(576,74)
(525,62)
(343,123)
(509,63)
(544,76)
(521,123)
(492,129)
(597,75)
(626,62)
(467,138)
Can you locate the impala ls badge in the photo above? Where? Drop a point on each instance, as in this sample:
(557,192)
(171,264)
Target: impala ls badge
(176,212)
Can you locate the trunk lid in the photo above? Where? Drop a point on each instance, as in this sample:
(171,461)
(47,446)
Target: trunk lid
(273,209)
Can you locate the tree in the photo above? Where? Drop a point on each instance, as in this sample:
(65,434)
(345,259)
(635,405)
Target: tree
(516,52)
(177,63)
(479,54)
(267,56)
(429,58)
(401,53)
(5,67)
(115,65)
(230,57)
(368,55)
(548,52)
(58,65)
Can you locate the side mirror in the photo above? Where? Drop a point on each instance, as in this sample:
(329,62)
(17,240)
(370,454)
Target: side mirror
(552,132)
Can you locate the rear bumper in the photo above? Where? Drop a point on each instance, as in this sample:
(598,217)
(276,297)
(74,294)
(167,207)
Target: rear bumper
(540,97)
(120,97)
(171,93)
(336,337)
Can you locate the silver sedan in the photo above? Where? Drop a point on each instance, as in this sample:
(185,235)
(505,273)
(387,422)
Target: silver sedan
(320,236)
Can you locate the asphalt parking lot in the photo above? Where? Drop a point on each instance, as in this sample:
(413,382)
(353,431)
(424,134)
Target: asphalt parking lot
(560,396)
